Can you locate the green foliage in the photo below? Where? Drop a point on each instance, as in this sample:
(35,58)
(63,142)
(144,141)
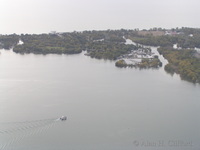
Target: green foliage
(108,44)
(150,63)
(144,64)
(8,41)
(49,43)
(182,62)
(121,63)
(109,50)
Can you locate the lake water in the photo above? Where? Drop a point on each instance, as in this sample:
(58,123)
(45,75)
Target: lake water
(108,108)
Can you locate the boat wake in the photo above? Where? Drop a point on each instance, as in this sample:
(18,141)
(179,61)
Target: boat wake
(14,132)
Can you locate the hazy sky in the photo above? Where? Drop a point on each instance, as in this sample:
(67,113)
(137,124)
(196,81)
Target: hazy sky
(43,16)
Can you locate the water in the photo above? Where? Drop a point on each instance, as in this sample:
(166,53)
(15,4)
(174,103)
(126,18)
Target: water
(107,107)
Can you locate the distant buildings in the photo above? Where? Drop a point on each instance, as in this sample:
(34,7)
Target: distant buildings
(170,32)
(191,35)
(56,33)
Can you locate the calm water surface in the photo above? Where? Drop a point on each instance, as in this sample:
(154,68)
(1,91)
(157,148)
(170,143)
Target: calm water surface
(108,108)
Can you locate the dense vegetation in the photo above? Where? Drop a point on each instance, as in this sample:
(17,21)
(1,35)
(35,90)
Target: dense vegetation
(48,43)
(182,62)
(8,41)
(145,63)
(150,63)
(99,44)
(108,50)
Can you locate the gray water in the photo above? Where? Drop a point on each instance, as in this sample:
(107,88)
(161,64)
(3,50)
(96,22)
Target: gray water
(108,108)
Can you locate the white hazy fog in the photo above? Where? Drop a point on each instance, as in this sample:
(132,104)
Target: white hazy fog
(43,16)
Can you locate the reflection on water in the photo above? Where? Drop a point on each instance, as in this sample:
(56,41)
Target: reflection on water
(108,108)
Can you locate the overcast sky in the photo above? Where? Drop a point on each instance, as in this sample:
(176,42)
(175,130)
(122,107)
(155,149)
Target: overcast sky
(43,16)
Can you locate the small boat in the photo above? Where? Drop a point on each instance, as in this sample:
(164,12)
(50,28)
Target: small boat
(63,118)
